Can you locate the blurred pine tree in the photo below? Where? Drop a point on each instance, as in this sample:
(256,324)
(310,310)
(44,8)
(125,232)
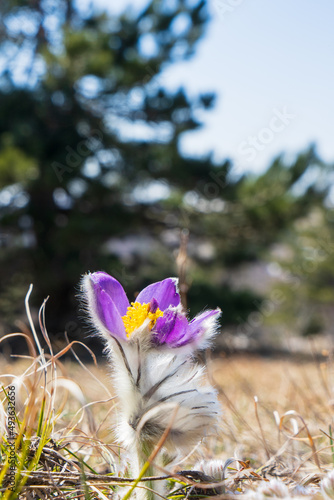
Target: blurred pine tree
(79,192)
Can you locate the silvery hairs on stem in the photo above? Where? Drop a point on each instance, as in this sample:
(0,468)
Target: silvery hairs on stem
(150,343)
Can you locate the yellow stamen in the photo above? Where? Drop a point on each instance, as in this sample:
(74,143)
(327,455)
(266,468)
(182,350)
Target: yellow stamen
(136,315)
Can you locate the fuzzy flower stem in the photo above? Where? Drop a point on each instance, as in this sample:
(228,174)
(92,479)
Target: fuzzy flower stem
(147,463)
(146,468)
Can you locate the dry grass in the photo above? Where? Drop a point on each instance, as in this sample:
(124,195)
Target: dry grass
(276,423)
(280,386)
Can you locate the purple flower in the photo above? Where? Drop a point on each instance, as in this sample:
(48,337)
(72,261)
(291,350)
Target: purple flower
(157,312)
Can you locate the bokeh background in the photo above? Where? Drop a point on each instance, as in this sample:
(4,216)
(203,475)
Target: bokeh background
(164,137)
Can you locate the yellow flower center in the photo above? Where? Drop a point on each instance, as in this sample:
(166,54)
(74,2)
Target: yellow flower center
(136,315)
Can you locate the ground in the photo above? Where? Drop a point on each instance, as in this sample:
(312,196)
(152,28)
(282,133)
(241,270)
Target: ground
(276,423)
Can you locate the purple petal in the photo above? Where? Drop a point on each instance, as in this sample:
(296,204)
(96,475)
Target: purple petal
(201,323)
(174,330)
(153,306)
(109,314)
(102,309)
(171,329)
(164,292)
(113,288)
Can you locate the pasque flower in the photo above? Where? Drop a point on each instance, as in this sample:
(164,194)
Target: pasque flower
(155,317)
(150,343)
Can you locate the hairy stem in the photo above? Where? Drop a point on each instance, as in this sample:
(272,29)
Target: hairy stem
(143,467)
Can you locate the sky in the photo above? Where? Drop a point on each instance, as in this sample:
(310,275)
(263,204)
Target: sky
(271,64)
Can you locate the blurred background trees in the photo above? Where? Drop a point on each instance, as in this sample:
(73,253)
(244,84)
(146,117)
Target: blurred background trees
(91,177)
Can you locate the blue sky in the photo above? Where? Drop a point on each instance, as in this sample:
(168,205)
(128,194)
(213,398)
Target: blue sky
(271,64)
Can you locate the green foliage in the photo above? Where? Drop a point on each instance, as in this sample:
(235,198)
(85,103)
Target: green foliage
(307,272)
